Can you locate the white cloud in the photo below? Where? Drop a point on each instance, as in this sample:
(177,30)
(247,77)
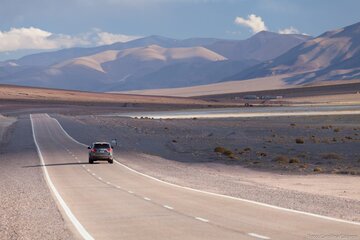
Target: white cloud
(106,38)
(35,38)
(289,30)
(254,22)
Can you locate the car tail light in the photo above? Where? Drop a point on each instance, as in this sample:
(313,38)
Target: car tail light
(93,150)
(109,149)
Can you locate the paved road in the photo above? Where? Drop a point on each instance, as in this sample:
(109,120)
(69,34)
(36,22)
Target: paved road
(247,112)
(106,201)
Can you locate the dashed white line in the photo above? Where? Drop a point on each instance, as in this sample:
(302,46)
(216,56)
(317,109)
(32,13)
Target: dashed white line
(147,199)
(93,174)
(83,165)
(168,207)
(118,187)
(201,219)
(258,236)
(99,178)
(131,192)
(108,183)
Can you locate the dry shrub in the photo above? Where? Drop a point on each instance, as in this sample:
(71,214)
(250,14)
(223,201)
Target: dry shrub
(294,160)
(282,159)
(317,169)
(220,149)
(299,141)
(331,156)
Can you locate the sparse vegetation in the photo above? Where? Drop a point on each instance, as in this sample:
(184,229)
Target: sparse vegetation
(282,159)
(299,141)
(303,166)
(219,149)
(294,160)
(292,124)
(225,152)
(317,169)
(331,156)
(261,154)
(228,153)
(337,130)
(247,149)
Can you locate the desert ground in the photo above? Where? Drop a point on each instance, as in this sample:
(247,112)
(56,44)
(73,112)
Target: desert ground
(309,164)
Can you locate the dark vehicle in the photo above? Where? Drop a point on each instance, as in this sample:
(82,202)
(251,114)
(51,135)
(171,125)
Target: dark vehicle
(101,151)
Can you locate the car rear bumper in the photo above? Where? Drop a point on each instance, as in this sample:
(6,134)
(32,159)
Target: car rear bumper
(100,157)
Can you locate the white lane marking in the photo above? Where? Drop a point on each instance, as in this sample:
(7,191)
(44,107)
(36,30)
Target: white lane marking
(201,219)
(242,199)
(221,195)
(85,234)
(99,178)
(83,165)
(118,187)
(88,170)
(93,174)
(147,199)
(131,192)
(168,207)
(108,183)
(258,236)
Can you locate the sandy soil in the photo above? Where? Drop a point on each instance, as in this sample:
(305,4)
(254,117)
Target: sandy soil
(39,95)
(265,164)
(27,209)
(258,84)
(338,99)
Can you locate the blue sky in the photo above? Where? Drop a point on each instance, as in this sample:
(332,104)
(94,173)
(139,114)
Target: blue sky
(53,24)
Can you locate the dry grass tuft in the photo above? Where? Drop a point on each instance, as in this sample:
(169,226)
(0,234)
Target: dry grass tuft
(317,169)
(299,141)
(247,149)
(220,149)
(294,160)
(332,156)
(282,159)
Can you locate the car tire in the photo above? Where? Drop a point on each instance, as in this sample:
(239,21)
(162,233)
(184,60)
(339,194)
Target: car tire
(91,161)
(111,161)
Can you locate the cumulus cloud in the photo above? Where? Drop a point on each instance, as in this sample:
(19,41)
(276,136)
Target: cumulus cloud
(254,22)
(105,38)
(35,38)
(289,30)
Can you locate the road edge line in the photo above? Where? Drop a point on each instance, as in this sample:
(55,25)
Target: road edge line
(224,196)
(80,228)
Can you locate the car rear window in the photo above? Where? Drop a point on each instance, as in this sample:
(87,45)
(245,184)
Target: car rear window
(101,145)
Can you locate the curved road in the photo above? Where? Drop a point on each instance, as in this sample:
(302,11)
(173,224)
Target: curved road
(111,201)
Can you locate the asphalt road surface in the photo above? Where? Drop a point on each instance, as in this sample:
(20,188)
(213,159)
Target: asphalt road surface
(111,201)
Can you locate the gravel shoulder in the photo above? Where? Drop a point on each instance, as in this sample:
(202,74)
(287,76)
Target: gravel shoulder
(182,152)
(27,208)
